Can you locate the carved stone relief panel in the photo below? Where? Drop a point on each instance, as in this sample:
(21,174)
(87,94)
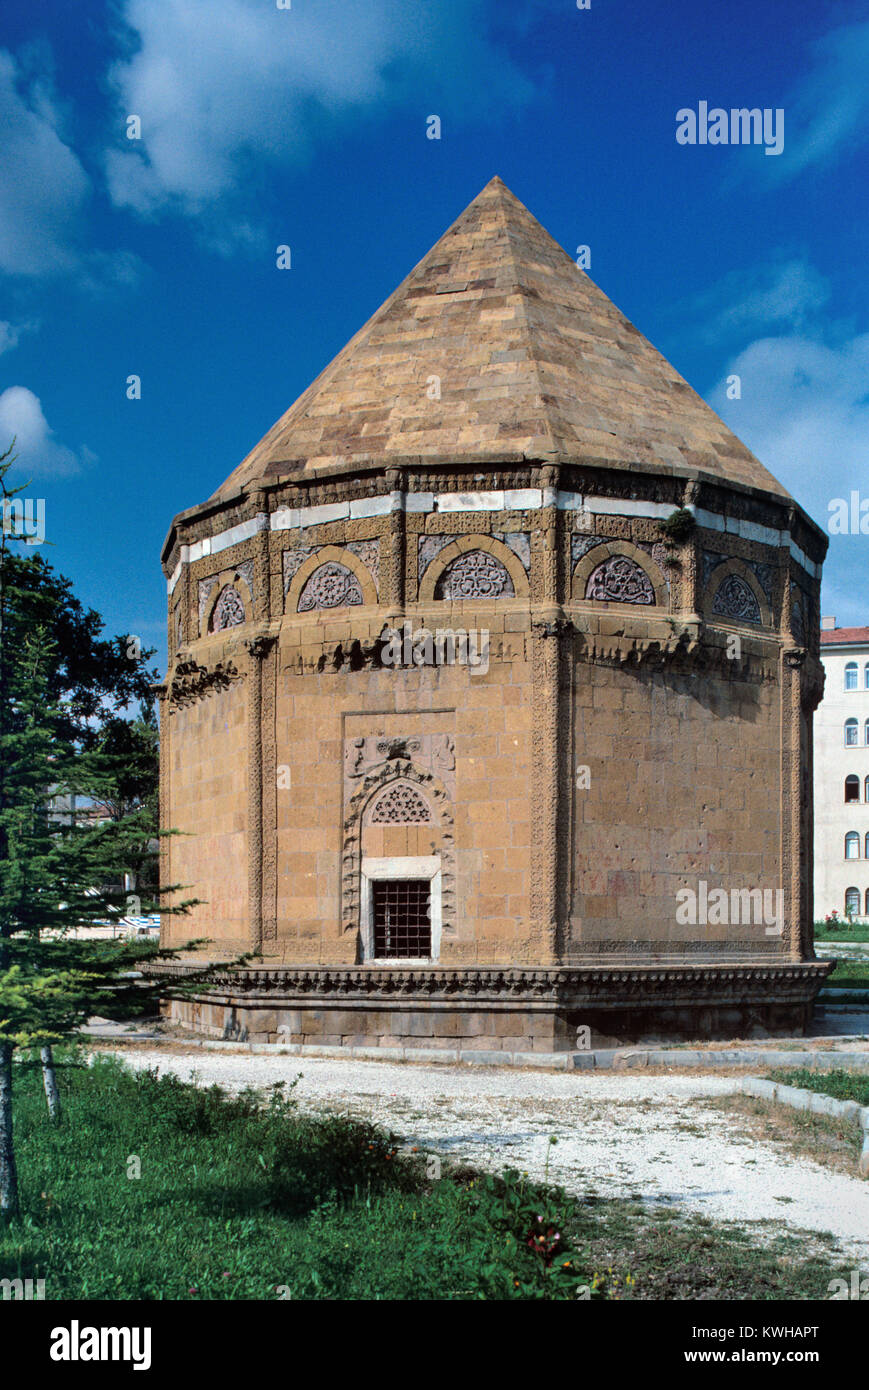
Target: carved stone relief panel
(735,599)
(619,579)
(206,589)
(474,574)
(398,779)
(369,553)
(428,548)
(228,610)
(293,561)
(246,570)
(332,585)
(400,804)
(581,544)
(520,543)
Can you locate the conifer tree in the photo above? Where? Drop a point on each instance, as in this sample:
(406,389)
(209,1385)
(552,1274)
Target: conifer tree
(63,689)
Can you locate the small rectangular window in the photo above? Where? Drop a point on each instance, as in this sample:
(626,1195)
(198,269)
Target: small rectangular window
(402,925)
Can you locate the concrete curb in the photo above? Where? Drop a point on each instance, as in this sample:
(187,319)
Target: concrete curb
(816,1103)
(600,1059)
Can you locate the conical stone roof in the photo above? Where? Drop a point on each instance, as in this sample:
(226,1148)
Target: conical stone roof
(532,360)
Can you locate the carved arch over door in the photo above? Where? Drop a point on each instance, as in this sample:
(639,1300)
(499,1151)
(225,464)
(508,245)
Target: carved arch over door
(380,779)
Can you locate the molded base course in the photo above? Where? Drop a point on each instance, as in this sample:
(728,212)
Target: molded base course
(413,1009)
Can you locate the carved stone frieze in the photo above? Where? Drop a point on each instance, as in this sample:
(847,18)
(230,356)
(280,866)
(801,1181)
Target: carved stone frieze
(763,573)
(649,986)
(434,753)
(582,543)
(191,682)
(246,571)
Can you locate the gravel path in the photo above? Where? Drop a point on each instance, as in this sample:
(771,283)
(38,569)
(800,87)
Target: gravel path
(618,1135)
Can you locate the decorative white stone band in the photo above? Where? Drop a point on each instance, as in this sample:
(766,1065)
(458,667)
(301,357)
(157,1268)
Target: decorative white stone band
(213,545)
(750,531)
(510,499)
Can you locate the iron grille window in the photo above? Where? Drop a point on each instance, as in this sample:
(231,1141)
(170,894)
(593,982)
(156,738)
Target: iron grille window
(401,917)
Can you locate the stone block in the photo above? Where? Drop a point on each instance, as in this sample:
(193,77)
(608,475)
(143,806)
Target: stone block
(431,1054)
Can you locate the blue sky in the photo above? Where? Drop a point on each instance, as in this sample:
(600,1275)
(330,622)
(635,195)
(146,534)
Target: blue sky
(307,127)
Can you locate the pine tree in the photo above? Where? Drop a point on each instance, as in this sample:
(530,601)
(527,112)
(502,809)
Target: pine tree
(56,676)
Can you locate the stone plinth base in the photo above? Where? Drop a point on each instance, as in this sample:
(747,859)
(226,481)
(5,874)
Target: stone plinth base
(494,1009)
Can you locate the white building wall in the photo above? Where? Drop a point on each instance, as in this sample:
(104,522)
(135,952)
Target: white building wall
(833,762)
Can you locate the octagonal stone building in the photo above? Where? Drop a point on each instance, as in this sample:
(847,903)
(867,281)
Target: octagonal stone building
(488,715)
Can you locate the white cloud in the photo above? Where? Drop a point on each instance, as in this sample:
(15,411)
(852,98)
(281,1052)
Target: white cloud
(805,413)
(829,110)
(9,335)
(785,292)
(12,333)
(37,450)
(43,186)
(225,87)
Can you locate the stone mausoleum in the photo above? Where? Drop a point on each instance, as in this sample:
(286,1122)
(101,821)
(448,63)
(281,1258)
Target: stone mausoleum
(488,715)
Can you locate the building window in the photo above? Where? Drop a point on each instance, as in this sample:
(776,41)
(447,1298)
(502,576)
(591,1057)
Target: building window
(851,728)
(866,733)
(402,923)
(851,676)
(866,912)
(852,902)
(852,788)
(852,845)
(866,676)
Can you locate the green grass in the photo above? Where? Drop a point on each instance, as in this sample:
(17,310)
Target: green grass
(840,931)
(841,1084)
(849,974)
(246,1198)
(243,1200)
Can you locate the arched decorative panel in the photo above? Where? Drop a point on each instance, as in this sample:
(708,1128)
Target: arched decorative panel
(475,574)
(735,599)
(228,611)
(383,784)
(733,594)
(332,585)
(619,579)
(400,804)
(472,567)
